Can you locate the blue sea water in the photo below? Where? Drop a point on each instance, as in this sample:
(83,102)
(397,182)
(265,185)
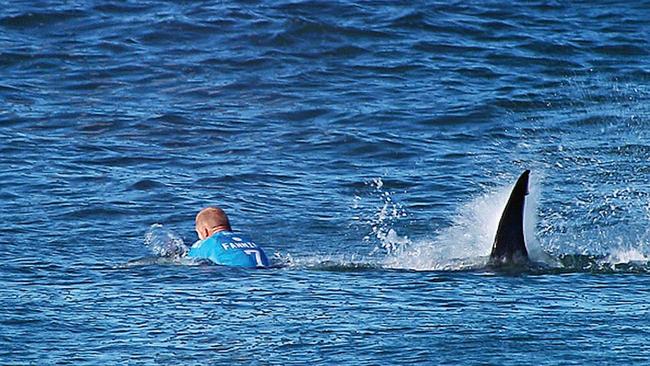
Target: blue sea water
(369,148)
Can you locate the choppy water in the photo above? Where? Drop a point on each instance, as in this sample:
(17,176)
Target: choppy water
(369,147)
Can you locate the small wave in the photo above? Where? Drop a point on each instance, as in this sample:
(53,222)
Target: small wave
(626,261)
(331,263)
(40,19)
(146,185)
(621,50)
(160,261)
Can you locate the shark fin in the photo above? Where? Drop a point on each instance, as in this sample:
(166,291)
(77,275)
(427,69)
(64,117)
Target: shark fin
(509,244)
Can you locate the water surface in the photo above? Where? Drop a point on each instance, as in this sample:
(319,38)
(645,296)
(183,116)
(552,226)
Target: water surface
(368,147)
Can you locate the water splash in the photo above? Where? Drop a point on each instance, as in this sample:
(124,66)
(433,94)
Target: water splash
(466,244)
(382,223)
(165,243)
(624,256)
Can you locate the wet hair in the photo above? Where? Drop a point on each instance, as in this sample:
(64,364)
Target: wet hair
(212,217)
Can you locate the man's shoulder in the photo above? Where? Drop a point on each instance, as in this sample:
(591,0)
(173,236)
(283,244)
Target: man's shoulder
(203,244)
(232,236)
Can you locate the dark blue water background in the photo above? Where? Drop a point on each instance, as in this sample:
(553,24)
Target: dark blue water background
(367,146)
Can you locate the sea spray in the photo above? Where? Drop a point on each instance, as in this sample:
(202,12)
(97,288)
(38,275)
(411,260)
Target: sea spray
(382,222)
(626,256)
(164,242)
(466,244)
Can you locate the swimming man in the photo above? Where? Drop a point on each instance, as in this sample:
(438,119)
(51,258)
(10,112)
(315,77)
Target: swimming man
(220,245)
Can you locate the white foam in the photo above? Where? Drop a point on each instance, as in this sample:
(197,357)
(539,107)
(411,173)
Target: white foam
(624,256)
(468,241)
(164,242)
(324,261)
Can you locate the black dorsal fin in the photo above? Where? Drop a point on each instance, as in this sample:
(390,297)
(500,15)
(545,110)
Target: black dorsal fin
(509,243)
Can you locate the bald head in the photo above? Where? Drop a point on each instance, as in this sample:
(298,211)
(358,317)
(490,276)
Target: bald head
(211,220)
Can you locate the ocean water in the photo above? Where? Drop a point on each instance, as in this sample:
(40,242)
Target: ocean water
(369,147)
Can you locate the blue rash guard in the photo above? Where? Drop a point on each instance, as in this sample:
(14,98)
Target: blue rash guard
(230,249)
